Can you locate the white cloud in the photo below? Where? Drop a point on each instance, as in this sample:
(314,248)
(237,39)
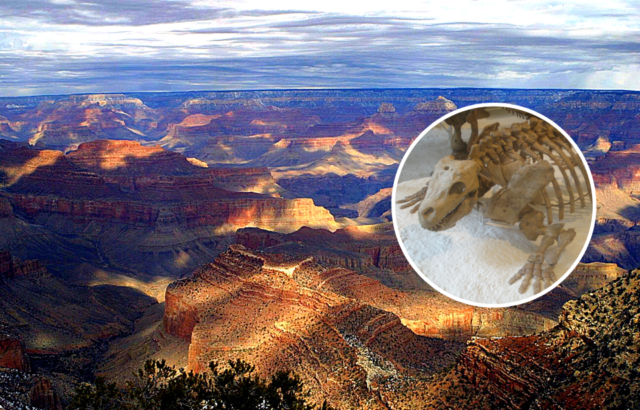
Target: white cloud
(285,43)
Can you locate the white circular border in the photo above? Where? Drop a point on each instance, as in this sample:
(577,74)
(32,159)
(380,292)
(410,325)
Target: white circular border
(424,276)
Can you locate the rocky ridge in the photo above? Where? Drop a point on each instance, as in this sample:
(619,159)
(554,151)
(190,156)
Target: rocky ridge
(588,361)
(286,310)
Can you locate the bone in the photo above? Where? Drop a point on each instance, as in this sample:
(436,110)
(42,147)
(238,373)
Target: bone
(528,267)
(491,150)
(472,118)
(558,139)
(548,276)
(524,186)
(537,275)
(525,283)
(413,199)
(452,193)
(577,161)
(510,150)
(458,146)
(584,172)
(516,277)
(495,143)
(533,267)
(564,239)
(495,170)
(532,225)
(560,152)
(547,203)
(567,181)
(554,182)
(558,191)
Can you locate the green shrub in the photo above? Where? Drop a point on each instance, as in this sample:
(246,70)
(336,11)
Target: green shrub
(158,386)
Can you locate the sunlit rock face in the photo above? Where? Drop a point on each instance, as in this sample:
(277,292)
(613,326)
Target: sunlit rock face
(289,312)
(356,248)
(621,168)
(134,167)
(128,157)
(616,236)
(588,361)
(333,326)
(374,252)
(591,276)
(125,182)
(115,201)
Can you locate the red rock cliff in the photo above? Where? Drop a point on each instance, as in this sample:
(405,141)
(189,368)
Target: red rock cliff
(13,354)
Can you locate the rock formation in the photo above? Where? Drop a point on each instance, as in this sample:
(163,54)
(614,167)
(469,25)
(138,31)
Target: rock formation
(11,268)
(33,303)
(352,247)
(588,361)
(289,312)
(27,391)
(588,277)
(124,182)
(13,354)
(252,131)
(285,310)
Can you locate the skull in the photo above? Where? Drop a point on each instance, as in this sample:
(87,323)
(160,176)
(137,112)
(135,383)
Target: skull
(452,193)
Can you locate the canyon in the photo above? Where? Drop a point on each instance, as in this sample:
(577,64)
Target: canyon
(287,311)
(119,200)
(204,226)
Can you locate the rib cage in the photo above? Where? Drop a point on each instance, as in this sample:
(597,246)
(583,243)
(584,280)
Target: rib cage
(509,147)
(518,113)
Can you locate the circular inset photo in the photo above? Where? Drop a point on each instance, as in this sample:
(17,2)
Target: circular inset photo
(493,205)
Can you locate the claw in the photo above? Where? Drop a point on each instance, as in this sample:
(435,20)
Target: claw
(525,283)
(520,273)
(413,199)
(533,270)
(549,276)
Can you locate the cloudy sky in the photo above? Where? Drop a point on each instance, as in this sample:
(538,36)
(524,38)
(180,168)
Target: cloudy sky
(78,46)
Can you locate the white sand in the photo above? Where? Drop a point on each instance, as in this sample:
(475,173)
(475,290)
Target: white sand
(475,259)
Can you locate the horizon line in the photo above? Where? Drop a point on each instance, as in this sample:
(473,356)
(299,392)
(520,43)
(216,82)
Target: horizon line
(614,90)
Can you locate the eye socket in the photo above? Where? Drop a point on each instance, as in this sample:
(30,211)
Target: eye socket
(457,188)
(446,168)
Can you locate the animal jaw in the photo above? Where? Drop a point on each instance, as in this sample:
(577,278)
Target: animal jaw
(449,220)
(452,193)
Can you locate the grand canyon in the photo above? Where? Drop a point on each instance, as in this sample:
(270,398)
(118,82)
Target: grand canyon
(256,225)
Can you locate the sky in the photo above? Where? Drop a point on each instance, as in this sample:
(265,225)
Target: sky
(93,46)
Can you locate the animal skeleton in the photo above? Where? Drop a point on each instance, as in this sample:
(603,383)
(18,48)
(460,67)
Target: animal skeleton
(514,159)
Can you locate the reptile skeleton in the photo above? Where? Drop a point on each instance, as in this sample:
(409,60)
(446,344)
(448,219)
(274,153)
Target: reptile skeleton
(517,159)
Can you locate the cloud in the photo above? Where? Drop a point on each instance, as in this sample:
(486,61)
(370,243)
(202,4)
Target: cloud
(66,46)
(112,12)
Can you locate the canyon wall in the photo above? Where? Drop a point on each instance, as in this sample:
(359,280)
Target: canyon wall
(588,361)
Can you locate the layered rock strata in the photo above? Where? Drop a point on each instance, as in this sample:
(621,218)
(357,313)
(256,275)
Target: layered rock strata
(588,361)
(331,325)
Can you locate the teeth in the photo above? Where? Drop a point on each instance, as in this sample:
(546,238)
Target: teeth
(445,219)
